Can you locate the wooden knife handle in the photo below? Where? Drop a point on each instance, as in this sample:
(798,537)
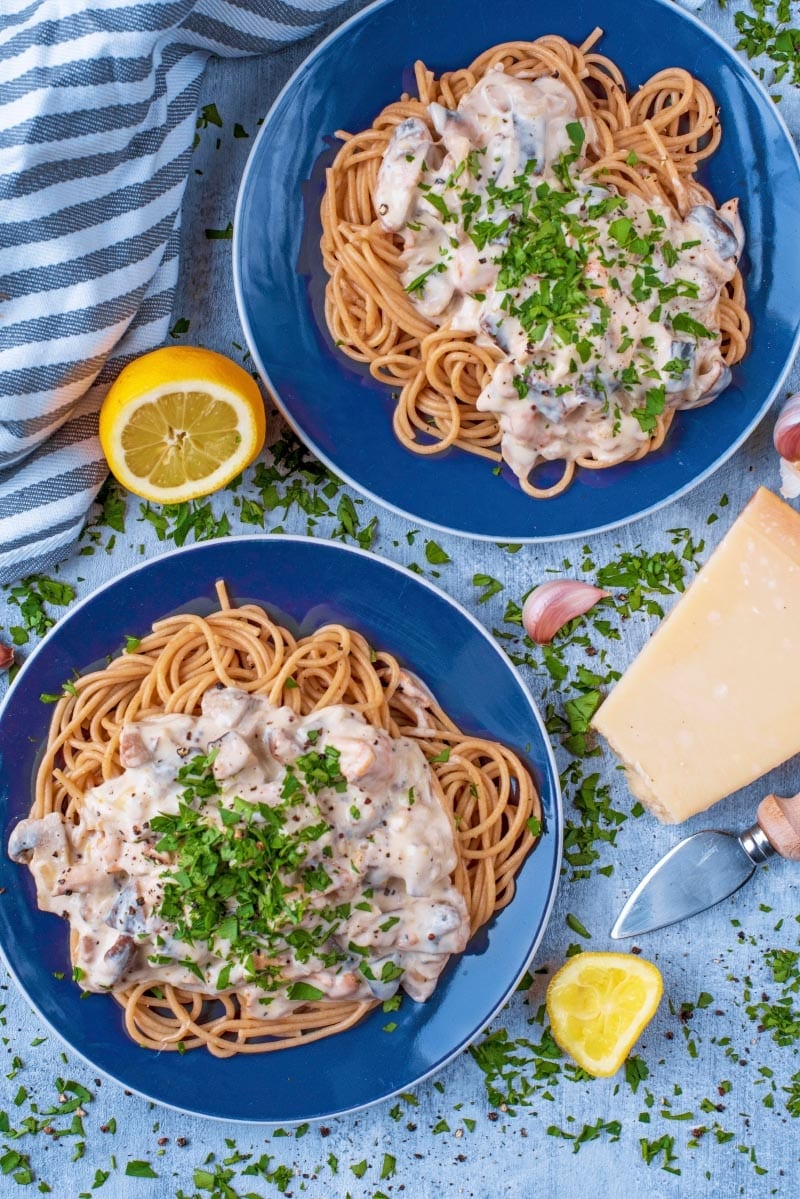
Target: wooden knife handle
(780,821)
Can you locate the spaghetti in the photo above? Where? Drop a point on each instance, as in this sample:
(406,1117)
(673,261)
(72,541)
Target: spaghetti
(644,147)
(489,799)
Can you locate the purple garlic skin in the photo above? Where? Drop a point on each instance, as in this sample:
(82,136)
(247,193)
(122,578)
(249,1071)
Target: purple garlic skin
(786,437)
(786,434)
(552,605)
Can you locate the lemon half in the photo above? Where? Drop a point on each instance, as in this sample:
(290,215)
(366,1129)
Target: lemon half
(181,422)
(599,1004)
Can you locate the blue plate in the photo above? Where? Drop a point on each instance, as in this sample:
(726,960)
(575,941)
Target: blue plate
(343,414)
(306,584)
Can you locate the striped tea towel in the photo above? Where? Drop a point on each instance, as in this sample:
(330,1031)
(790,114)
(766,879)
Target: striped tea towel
(97,119)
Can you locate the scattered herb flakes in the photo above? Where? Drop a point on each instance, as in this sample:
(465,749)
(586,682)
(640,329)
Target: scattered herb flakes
(589,1132)
(112,505)
(777,1014)
(793,1093)
(17,1165)
(209,115)
(574,923)
(516,1071)
(490,586)
(177,522)
(349,526)
(225,234)
(767,32)
(663,1148)
(180,327)
(34,596)
(636,1071)
(592,820)
(637,577)
(140,1169)
(575,670)
(435,554)
(293,480)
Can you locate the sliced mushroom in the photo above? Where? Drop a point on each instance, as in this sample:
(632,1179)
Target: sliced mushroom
(421,974)
(719,232)
(118,959)
(367,763)
(684,352)
(228,706)
(444,927)
(492,325)
(127,914)
(455,129)
(412,686)
(530,136)
(233,755)
(132,748)
(400,172)
(545,401)
(716,381)
(29,836)
(379,988)
(283,745)
(24,840)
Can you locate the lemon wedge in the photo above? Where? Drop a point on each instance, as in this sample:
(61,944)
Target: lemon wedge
(599,1004)
(181,422)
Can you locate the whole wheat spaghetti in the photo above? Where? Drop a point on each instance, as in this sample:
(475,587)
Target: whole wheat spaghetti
(644,146)
(487,794)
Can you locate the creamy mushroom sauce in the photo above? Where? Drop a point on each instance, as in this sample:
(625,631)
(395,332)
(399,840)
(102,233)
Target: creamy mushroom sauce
(603,307)
(372,893)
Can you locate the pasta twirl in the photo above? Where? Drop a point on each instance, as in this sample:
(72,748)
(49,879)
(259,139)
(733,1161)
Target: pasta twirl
(488,798)
(443,358)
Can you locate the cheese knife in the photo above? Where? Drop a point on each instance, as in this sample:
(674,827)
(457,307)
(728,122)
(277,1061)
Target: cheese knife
(709,866)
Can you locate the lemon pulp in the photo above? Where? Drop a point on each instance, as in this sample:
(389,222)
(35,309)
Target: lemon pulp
(181,436)
(179,423)
(599,1004)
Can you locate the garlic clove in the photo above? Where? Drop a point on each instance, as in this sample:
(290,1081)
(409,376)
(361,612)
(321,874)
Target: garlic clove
(786,434)
(552,605)
(790,479)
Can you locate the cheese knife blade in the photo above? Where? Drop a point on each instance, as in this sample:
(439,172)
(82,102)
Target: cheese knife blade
(707,867)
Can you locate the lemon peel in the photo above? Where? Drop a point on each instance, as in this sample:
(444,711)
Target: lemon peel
(181,422)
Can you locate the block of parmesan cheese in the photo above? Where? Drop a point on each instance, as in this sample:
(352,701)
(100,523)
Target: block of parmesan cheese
(713,700)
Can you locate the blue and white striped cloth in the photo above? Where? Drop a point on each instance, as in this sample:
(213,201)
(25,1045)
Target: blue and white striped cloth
(97,119)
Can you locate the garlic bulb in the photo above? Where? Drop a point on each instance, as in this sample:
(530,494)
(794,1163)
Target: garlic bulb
(786,433)
(786,436)
(552,605)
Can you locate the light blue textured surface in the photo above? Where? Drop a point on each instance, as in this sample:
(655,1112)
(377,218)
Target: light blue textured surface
(708,1064)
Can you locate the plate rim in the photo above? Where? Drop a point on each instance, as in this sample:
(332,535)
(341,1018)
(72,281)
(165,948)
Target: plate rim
(397,510)
(549,766)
